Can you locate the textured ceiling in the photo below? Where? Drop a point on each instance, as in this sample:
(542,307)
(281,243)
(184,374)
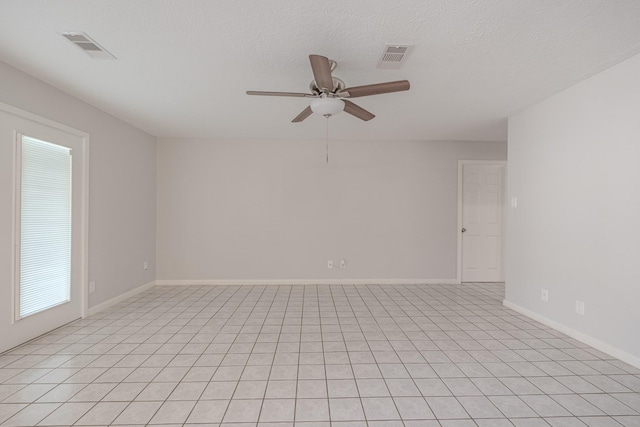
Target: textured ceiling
(183,65)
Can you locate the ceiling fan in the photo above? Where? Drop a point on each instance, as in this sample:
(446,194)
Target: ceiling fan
(330,92)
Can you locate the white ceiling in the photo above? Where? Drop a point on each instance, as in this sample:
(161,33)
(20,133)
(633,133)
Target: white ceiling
(183,65)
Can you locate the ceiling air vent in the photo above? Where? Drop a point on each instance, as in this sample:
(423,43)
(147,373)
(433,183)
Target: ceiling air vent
(394,55)
(88,45)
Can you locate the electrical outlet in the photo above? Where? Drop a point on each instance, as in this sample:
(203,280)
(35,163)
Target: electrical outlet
(343,263)
(330,264)
(580,307)
(145,265)
(544,295)
(92,287)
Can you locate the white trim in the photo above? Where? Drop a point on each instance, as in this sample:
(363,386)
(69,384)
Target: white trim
(461,164)
(15,234)
(84,246)
(115,300)
(42,120)
(584,338)
(235,282)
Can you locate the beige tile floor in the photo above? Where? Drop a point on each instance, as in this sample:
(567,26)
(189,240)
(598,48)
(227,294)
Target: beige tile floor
(314,356)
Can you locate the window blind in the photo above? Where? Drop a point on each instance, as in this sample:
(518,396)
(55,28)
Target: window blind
(45,226)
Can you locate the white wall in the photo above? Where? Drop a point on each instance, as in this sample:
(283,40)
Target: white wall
(122,186)
(259,209)
(574,166)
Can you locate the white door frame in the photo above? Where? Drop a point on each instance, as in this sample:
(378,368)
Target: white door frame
(461,164)
(84,217)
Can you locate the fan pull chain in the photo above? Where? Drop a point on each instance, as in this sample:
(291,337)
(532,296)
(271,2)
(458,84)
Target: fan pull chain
(327,138)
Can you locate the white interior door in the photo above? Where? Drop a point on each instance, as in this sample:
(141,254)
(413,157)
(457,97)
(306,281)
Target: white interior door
(45,215)
(482,222)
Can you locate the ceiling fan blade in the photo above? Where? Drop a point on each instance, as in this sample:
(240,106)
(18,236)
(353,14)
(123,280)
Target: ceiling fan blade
(296,94)
(376,89)
(322,72)
(357,111)
(300,117)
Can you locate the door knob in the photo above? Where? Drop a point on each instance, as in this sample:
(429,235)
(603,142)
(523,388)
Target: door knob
(464,229)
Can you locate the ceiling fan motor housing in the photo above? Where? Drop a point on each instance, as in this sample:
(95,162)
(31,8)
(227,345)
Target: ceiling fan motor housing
(338,85)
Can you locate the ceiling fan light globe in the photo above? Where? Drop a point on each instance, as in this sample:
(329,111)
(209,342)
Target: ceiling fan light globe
(327,106)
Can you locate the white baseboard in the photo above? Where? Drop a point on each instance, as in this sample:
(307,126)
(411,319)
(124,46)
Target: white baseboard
(584,338)
(115,300)
(310,282)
